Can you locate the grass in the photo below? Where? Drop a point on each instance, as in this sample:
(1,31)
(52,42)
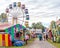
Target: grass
(57,45)
(13,47)
(29,42)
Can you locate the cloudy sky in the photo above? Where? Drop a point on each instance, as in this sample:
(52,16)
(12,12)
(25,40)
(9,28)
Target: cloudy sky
(39,10)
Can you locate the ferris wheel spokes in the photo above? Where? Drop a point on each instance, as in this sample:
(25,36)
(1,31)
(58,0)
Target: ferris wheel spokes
(17,11)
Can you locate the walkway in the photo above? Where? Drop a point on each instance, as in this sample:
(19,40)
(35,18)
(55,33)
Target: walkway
(40,44)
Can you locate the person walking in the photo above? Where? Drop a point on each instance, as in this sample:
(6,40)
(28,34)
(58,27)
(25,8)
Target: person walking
(26,38)
(40,37)
(54,38)
(46,37)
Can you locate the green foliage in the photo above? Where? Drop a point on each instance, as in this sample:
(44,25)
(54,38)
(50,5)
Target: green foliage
(55,28)
(34,25)
(38,25)
(58,28)
(57,45)
(53,25)
(0,18)
(3,17)
(58,39)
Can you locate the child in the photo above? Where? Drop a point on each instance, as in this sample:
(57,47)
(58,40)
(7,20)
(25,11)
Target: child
(26,38)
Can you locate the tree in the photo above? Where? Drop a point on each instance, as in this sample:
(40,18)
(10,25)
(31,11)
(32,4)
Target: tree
(3,17)
(0,18)
(52,25)
(59,28)
(34,25)
(38,25)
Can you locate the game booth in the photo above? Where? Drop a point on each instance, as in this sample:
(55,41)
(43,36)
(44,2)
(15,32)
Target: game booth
(12,35)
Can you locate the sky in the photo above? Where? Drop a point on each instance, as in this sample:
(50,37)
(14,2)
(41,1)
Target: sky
(39,10)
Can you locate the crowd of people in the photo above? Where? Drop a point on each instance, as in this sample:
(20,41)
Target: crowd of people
(43,37)
(29,36)
(48,35)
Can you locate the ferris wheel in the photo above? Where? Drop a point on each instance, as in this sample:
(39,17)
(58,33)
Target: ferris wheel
(17,12)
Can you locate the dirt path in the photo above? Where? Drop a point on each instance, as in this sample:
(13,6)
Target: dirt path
(40,44)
